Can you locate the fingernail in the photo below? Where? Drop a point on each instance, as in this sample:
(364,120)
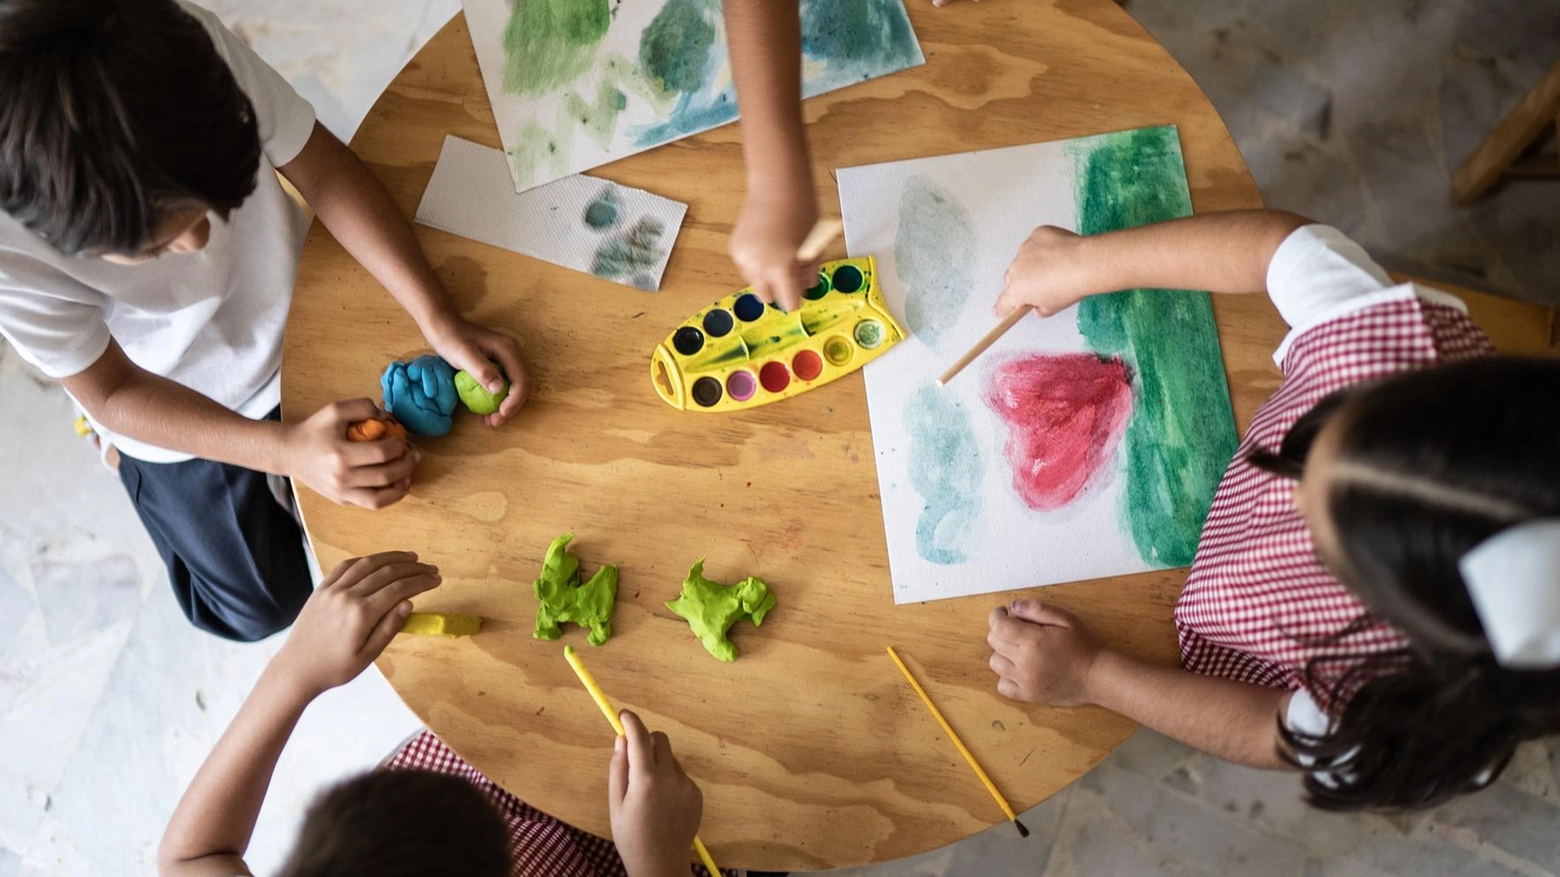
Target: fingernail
(495,388)
(1020,605)
(617,745)
(404,609)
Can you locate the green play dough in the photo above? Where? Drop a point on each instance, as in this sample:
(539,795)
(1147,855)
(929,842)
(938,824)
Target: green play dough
(476,396)
(561,598)
(712,608)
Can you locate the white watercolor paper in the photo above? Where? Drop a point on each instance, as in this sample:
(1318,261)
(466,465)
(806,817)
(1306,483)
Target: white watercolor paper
(580,222)
(959,515)
(575,84)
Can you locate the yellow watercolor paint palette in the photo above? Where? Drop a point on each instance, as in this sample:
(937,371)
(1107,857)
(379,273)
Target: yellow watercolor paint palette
(740,353)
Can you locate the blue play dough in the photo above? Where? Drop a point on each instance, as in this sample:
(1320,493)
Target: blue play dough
(421,394)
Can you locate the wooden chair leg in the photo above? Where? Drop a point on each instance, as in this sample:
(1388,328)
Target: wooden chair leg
(1510,139)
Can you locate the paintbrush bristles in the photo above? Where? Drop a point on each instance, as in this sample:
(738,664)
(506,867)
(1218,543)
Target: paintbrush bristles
(980,346)
(1023,831)
(823,233)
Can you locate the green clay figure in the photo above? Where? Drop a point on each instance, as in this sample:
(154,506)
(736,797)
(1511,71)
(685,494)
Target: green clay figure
(561,597)
(712,608)
(476,396)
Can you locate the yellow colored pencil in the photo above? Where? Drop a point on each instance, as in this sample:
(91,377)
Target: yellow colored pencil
(600,697)
(963,750)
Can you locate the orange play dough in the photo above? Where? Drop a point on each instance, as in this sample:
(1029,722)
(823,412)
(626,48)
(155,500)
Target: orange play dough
(374,429)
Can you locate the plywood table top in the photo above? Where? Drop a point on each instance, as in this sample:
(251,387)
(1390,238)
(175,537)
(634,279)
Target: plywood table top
(811,750)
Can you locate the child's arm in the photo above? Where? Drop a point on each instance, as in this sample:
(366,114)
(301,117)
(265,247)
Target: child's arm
(358,211)
(765,41)
(1217,252)
(1046,655)
(130,400)
(655,807)
(347,622)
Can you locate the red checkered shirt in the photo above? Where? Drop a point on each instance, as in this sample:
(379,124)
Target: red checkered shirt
(539,845)
(1257,596)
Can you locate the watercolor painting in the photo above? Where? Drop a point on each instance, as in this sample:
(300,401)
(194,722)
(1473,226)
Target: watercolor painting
(575,84)
(586,223)
(1084,445)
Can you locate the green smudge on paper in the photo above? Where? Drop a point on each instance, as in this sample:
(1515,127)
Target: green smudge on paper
(561,598)
(945,468)
(674,49)
(605,210)
(934,254)
(537,146)
(632,254)
(1182,432)
(711,608)
(548,43)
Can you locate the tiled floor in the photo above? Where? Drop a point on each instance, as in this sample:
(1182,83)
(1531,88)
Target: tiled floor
(108,699)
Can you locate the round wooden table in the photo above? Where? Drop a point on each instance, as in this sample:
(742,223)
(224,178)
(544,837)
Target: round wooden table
(811,750)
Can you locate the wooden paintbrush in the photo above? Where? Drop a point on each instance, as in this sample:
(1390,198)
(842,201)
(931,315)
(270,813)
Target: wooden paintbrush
(980,346)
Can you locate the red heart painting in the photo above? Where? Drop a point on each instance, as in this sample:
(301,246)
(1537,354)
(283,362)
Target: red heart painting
(1065,414)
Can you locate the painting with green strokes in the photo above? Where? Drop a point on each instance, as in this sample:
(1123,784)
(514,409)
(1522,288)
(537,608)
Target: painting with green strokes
(578,83)
(1084,445)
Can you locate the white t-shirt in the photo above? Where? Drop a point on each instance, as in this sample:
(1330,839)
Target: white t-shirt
(211,320)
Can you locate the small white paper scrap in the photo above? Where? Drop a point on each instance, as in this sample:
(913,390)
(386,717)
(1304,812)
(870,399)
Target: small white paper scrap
(580,222)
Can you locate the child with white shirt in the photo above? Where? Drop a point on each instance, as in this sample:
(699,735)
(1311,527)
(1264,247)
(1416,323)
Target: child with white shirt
(1376,594)
(147,254)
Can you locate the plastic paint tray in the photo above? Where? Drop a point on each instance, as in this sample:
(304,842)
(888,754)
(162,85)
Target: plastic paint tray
(740,353)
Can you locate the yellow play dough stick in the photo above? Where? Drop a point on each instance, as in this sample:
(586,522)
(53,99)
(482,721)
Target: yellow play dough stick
(600,697)
(432,624)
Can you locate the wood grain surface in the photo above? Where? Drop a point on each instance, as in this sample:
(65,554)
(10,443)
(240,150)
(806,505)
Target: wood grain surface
(811,750)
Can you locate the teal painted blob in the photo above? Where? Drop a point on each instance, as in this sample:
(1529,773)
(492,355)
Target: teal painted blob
(632,254)
(858,33)
(946,465)
(934,254)
(548,43)
(674,49)
(1182,432)
(606,210)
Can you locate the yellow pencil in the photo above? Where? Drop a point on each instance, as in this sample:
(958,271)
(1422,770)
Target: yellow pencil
(600,697)
(991,787)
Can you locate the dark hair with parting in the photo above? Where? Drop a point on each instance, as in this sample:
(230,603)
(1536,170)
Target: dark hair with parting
(401,823)
(116,112)
(1430,464)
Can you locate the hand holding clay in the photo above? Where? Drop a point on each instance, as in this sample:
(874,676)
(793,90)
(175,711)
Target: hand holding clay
(1048,274)
(655,808)
(487,355)
(351,617)
(370,474)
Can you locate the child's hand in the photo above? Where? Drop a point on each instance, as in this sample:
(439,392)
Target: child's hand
(764,246)
(317,452)
(351,617)
(655,806)
(472,348)
(1046,275)
(1042,653)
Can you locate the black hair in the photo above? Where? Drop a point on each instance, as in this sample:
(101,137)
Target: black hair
(401,823)
(114,113)
(1430,463)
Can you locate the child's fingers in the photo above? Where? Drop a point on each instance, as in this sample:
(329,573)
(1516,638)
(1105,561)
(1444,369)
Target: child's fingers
(1043,613)
(617,773)
(382,474)
(401,590)
(386,629)
(641,751)
(378,497)
(351,410)
(373,453)
(663,748)
(359,567)
(1001,666)
(389,574)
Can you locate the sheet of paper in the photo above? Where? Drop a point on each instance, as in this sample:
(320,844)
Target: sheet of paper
(580,222)
(1084,445)
(575,84)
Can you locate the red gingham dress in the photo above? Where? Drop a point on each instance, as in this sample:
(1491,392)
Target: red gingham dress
(1257,586)
(539,845)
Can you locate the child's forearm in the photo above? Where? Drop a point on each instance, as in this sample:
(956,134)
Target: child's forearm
(146,407)
(1217,252)
(354,206)
(1236,721)
(212,824)
(765,40)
